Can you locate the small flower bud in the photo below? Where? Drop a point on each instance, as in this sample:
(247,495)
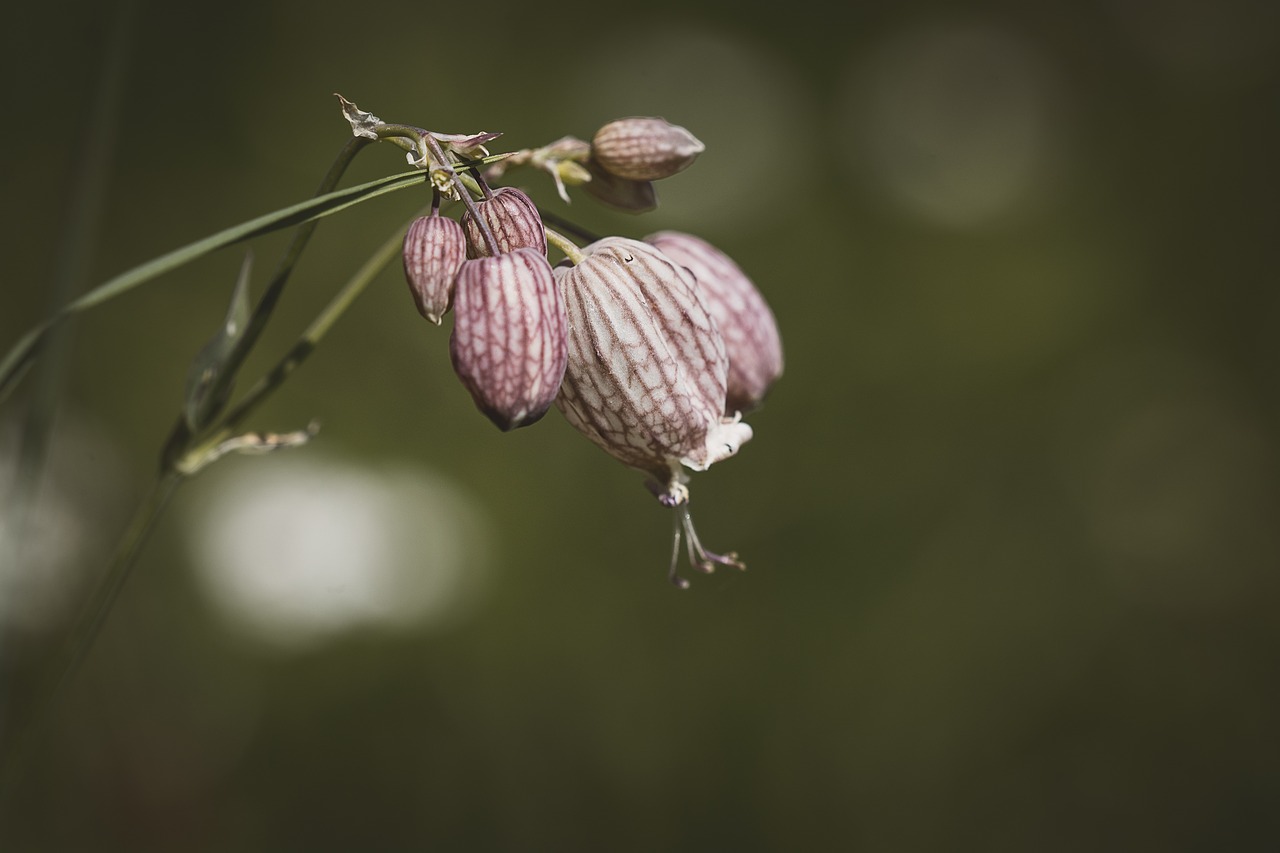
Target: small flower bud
(508,342)
(644,149)
(624,194)
(751,339)
(646,373)
(513,219)
(434,249)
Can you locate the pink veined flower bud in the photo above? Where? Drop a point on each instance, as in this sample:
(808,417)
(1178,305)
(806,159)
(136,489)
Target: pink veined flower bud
(644,149)
(751,339)
(622,193)
(434,249)
(513,219)
(646,373)
(508,342)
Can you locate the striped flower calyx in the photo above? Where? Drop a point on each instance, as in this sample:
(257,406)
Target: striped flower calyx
(513,220)
(751,339)
(644,148)
(434,249)
(509,332)
(646,372)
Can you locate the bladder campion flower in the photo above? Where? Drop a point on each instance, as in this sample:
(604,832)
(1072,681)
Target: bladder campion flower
(513,219)
(651,349)
(508,342)
(644,148)
(646,372)
(750,332)
(434,249)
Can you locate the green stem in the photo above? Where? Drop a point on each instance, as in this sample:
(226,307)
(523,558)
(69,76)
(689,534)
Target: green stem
(81,641)
(271,296)
(23,353)
(180,435)
(565,245)
(407,136)
(307,342)
(447,167)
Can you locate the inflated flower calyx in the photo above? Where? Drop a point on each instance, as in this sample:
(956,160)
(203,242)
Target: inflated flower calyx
(508,341)
(513,219)
(644,148)
(751,339)
(646,371)
(434,249)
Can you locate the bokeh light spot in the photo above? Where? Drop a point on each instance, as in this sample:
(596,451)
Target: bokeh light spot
(296,550)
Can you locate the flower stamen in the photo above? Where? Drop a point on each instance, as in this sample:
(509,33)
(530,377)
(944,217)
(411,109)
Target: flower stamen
(699,557)
(672,575)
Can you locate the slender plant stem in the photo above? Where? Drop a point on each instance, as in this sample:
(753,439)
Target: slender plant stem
(180,434)
(310,338)
(300,239)
(447,167)
(145,517)
(144,520)
(22,354)
(565,245)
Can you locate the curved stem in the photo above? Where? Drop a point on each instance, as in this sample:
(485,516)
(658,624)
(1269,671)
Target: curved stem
(307,342)
(447,167)
(301,237)
(180,434)
(407,136)
(565,245)
(95,614)
(429,149)
(23,354)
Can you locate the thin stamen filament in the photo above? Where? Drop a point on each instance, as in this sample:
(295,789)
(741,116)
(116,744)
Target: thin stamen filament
(679,582)
(699,556)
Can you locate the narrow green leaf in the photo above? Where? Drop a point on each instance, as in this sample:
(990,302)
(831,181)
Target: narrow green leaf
(316,208)
(25,350)
(208,383)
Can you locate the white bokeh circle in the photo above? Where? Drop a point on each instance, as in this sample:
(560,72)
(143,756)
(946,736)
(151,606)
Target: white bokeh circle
(296,549)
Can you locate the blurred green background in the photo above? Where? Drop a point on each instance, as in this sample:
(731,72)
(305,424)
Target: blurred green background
(1010,515)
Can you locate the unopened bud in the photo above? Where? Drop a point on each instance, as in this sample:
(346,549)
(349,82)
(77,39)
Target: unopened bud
(644,149)
(434,249)
(513,220)
(508,342)
(646,373)
(751,339)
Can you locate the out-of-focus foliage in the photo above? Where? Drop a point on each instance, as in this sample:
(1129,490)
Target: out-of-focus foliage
(1010,515)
